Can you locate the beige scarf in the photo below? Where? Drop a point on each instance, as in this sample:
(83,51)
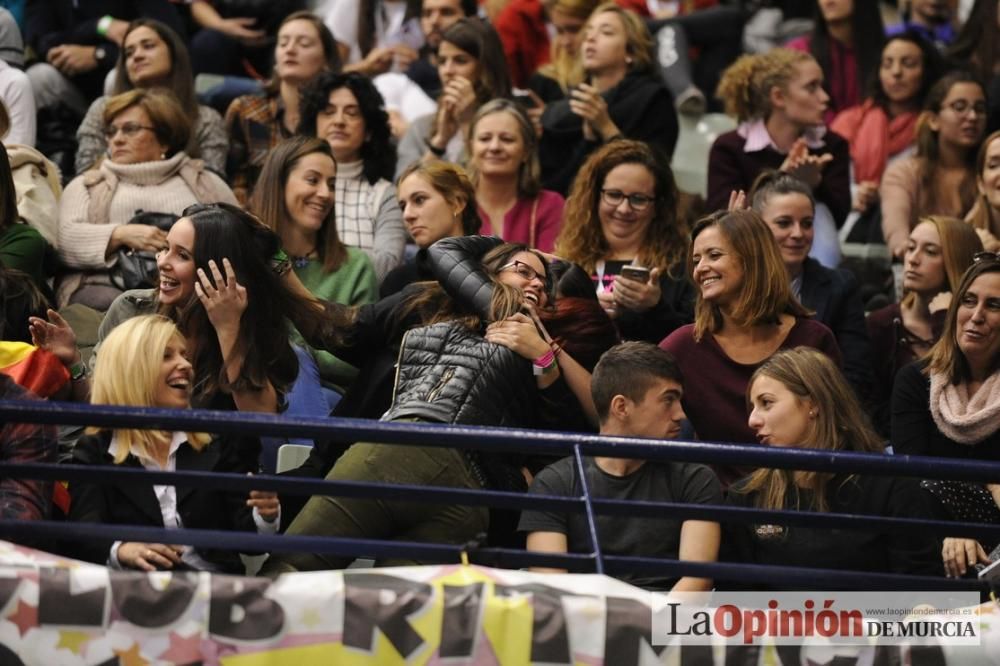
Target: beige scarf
(961,418)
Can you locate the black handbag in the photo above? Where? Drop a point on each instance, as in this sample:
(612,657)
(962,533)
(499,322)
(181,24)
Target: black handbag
(136,269)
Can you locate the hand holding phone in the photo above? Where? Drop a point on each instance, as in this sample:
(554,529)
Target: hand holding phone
(636,273)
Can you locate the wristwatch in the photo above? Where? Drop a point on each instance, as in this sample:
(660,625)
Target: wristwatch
(77,371)
(100,55)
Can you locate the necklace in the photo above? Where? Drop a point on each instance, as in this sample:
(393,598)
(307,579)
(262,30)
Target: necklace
(303,260)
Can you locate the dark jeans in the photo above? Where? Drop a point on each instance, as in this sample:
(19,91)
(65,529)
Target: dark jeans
(213,52)
(718,34)
(386,519)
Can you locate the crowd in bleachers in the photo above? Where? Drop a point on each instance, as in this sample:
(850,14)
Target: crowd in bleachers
(436,211)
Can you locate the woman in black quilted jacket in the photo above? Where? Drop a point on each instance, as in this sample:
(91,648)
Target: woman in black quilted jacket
(482,360)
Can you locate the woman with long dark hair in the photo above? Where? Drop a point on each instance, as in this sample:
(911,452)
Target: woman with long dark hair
(941,178)
(883,127)
(473,71)
(846,43)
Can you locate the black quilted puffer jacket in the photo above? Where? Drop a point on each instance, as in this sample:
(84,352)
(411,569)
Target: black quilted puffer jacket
(449,374)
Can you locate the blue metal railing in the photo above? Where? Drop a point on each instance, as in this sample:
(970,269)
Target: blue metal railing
(488,439)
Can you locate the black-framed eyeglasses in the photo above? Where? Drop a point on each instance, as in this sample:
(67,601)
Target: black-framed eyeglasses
(979,257)
(128,129)
(638,202)
(523,269)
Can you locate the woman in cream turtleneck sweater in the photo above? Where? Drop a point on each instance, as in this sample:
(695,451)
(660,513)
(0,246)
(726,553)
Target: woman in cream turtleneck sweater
(347,111)
(146,169)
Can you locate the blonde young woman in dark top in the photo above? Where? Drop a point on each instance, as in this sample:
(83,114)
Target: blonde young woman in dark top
(798,398)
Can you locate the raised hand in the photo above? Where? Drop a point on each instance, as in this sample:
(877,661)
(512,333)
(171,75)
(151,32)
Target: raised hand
(224,299)
(56,336)
(586,101)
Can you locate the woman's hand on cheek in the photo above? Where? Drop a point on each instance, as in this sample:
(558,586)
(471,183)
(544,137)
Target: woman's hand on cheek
(519,334)
(224,299)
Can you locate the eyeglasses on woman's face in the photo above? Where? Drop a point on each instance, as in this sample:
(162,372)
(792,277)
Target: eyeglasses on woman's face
(128,129)
(638,202)
(962,107)
(523,270)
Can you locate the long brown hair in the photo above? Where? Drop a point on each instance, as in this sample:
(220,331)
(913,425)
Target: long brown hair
(180,80)
(268,200)
(767,293)
(431,305)
(840,425)
(959,242)
(945,356)
(581,239)
(929,149)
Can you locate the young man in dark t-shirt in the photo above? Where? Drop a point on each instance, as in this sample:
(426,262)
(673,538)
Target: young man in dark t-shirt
(637,392)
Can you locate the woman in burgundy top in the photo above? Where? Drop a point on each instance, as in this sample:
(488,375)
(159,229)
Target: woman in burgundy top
(745,312)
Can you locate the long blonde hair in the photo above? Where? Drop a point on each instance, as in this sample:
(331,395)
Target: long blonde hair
(126,374)
(840,425)
(564,68)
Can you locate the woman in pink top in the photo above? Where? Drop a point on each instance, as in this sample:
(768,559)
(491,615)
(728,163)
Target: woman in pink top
(503,163)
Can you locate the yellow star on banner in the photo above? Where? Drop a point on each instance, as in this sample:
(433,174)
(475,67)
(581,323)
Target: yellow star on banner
(310,618)
(131,657)
(72,640)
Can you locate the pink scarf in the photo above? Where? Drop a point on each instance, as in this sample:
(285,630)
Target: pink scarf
(874,138)
(961,418)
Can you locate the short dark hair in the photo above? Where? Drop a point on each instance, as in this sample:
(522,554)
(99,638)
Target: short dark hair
(629,369)
(378,152)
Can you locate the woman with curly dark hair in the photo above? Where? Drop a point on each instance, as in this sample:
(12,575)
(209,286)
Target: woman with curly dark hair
(620,225)
(348,112)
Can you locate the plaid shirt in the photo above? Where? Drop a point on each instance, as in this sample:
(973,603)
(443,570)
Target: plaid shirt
(22,499)
(255,125)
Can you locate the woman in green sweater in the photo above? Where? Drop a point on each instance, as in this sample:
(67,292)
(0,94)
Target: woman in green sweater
(295,197)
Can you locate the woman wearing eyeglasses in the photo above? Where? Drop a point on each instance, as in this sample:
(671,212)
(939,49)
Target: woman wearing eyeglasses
(948,404)
(941,178)
(621,226)
(146,170)
(482,360)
